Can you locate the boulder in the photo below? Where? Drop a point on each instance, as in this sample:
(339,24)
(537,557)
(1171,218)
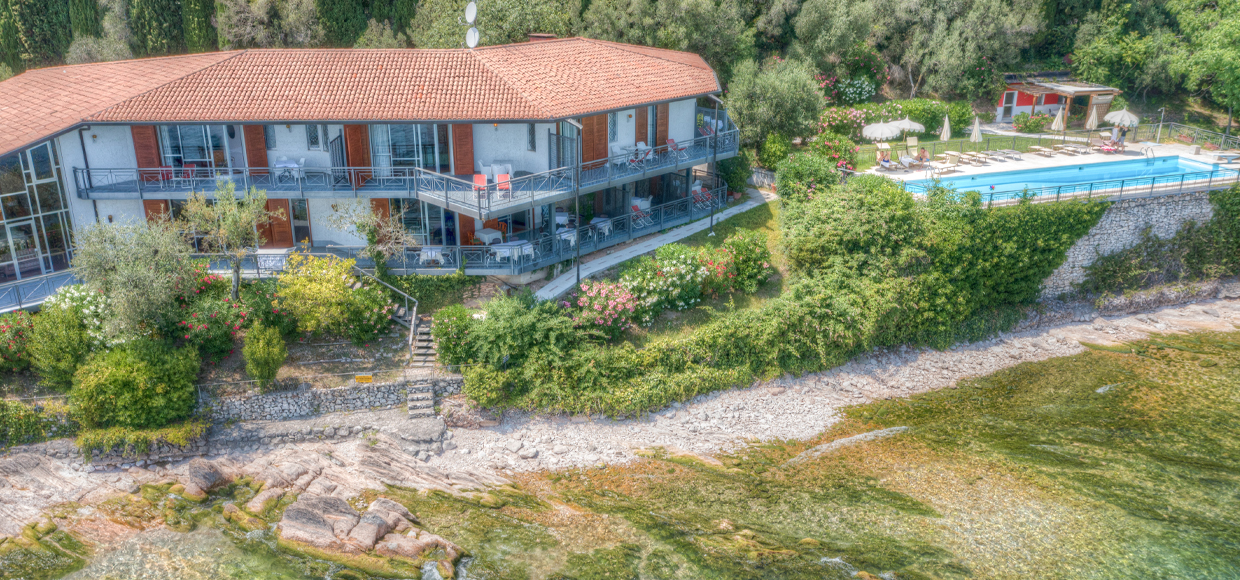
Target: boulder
(320,522)
(202,476)
(381,518)
(417,543)
(265,499)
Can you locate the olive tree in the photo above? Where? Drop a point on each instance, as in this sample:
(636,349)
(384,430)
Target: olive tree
(777,97)
(385,234)
(228,224)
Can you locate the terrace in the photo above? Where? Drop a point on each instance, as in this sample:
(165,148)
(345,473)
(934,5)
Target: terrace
(479,198)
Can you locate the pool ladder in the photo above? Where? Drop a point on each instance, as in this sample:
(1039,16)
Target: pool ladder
(1148,152)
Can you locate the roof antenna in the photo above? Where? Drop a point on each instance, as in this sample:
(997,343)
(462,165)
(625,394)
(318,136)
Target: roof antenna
(471,35)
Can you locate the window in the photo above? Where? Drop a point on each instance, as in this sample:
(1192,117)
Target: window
(531,141)
(652,124)
(611,127)
(422,145)
(315,137)
(201,145)
(1041,101)
(269,134)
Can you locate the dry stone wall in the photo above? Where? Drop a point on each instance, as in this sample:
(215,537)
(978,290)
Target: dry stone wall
(1120,228)
(308,402)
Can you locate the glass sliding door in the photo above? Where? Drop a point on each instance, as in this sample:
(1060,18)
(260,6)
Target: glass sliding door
(202,146)
(24,242)
(35,227)
(410,145)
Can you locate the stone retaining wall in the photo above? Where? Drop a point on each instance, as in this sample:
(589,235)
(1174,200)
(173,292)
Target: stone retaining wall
(1120,228)
(309,402)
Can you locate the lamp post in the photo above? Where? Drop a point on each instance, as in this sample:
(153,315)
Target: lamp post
(1162,112)
(577,195)
(714,158)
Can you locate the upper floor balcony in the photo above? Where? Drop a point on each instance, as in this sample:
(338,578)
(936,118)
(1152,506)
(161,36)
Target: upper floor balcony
(495,189)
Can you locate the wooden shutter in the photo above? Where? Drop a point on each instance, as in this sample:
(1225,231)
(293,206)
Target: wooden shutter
(146,150)
(593,141)
(278,231)
(463,149)
(660,126)
(643,123)
(155,209)
(467,230)
(255,149)
(357,152)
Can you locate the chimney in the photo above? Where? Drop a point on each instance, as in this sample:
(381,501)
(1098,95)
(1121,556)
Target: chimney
(538,36)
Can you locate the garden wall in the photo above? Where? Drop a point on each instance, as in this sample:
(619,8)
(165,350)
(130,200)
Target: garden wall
(1120,228)
(308,402)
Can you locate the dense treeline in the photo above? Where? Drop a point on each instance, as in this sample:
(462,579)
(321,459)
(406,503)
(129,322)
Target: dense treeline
(847,50)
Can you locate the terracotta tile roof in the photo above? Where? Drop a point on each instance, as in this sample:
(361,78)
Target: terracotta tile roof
(43,102)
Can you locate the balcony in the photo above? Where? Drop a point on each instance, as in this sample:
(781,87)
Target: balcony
(480,197)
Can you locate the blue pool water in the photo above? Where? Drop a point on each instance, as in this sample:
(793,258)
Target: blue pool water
(1133,173)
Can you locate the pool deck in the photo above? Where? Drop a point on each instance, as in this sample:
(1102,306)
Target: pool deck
(1036,161)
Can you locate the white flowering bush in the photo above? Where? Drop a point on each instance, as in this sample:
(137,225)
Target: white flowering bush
(672,280)
(855,90)
(92,307)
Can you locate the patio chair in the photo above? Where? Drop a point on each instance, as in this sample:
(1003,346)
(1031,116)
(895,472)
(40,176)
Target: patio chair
(164,176)
(637,160)
(682,152)
(1040,150)
(953,161)
(909,159)
(911,142)
(503,184)
(188,172)
(641,218)
(1010,153)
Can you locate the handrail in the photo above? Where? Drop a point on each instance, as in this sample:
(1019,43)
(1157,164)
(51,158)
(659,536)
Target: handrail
(1100,190)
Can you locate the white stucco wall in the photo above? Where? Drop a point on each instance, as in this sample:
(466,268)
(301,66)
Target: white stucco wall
(322,232)
(626,128)
(1051,110)
(292,144)
(70,150)
(508,143)
(681,118)
(122,211)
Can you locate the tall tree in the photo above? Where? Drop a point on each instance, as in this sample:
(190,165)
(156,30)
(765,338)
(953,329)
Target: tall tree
(42,28)
(229,225)
(381,36)
(778,97)
(156,26)
(196,22)
(113,44)
(1211,63)
(499,21)
(400,13)
(86,18)
(827,29)
(342,20)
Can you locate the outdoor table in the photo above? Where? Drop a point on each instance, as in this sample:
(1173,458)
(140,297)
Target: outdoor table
(430,254)
(506,250)
(287,167)
(489,236)
(561,218)
(601,225)
(568,234)
(642,203)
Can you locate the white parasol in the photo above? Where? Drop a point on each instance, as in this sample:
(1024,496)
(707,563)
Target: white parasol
(880,131)
(1092,122)
(1060,123)
(946,133)
(907,124)
(1122,119)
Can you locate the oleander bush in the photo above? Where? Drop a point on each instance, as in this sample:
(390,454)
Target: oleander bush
(92,308)
(604,306)
(265,352)
(848,120)
(211,325)
(266,308)
(15,331)
(142,384)
(1026,123)
(838,149)
(750,260)
(59,344)
(370,313)
(775,148)
(671,280)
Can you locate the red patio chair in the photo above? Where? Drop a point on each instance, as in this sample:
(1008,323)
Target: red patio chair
(502,183)
(480,185)
(680,150)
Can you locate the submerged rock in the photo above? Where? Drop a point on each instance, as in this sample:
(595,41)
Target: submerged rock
(319,522)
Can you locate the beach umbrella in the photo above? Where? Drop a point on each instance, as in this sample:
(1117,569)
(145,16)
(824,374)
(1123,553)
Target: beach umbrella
(1122,119)
(946,133)
(1092,122)
(880,131)
(1060,123)
(909,125)
(976,135)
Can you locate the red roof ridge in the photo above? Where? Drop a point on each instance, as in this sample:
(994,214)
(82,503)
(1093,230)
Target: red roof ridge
(648,50)
(235,54)
(101,64)
(528,99)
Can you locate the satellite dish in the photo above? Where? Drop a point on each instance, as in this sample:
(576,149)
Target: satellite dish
(471,37)
(471,12)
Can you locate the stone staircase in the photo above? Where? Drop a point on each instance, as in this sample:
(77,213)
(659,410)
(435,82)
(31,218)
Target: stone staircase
(423,346)
(421,401)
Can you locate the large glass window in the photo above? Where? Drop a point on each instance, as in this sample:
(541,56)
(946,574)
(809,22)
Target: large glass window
(422,145)
(203,146)
(35,236)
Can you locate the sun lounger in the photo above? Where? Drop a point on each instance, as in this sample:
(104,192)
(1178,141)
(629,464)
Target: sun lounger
(1042,150)
(1103,146)
(939,168)
(1009,153)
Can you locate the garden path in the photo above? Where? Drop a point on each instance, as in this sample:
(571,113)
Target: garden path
(562,284)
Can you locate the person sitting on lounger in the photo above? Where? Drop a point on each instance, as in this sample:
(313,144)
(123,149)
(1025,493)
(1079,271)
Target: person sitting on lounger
(924,156)
(884,159)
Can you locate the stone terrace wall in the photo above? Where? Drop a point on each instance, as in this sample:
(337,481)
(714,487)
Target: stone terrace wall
(310,402)
(1120,228)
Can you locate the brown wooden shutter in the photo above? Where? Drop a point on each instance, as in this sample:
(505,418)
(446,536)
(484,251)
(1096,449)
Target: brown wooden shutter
(278,231)
(155,209)
(146,150)
(643,123)
(593,141)
(467,230)
(255,149)
(660,126)
(357,152)
(463,149)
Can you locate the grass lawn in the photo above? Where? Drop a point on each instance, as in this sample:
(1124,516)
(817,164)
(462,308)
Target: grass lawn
(764,219)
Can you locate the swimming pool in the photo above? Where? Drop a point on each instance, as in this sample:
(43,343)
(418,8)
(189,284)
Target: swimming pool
(1127,175)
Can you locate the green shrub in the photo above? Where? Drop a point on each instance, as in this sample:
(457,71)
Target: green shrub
(142,385)
(370,313)
(265,353)
(15,331)
(814,171)
(486,386)
(775,148)
(266,308)
(316,291)
(435,292)
(92,307)
(671,280)
(59,344)
(211,326)
(837,149)
(21,423)
(134,442)
(517,328)
(1026,123)
(751,260)
(737,170)
(453,332)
